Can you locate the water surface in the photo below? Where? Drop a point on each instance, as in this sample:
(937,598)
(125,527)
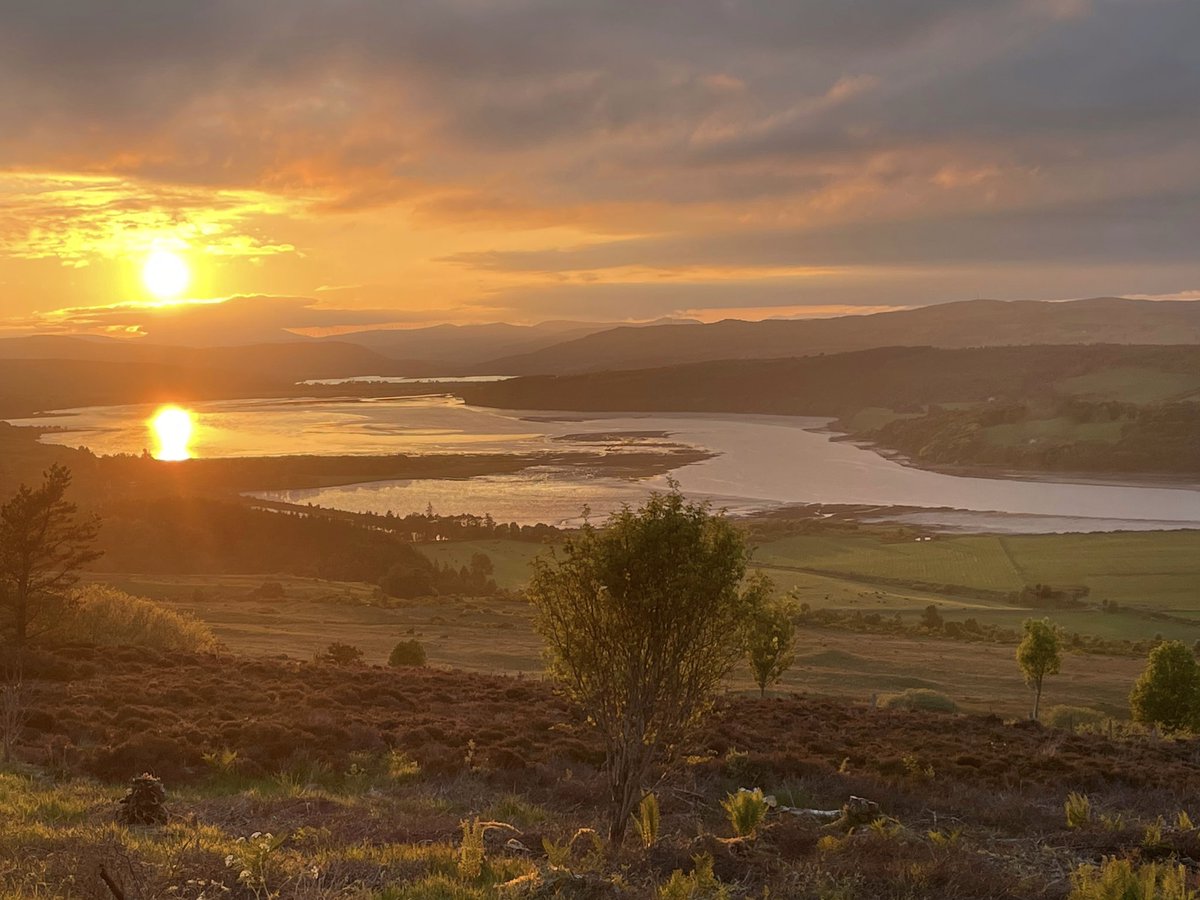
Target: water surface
(761,461)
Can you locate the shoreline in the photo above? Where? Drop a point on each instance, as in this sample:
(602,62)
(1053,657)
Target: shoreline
(1113,479)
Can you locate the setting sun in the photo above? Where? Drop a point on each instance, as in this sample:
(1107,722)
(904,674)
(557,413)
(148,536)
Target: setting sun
(172,428)
(165,274)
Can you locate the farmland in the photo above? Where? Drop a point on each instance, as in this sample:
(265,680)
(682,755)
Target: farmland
(1151,570)
(497,636)
(869,572)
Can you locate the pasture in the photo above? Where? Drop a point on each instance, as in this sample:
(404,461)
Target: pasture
(497,636)
(1147,570)
(865,572)
(1133,384)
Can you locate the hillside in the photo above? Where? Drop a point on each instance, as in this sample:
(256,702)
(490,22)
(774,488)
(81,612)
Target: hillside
(459,345)
(28,386)
(971,323)
(362,776)
(1098,408)
(292,361)
(893,377)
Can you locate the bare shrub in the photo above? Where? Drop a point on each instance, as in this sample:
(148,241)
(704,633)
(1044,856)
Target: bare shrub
(145,802)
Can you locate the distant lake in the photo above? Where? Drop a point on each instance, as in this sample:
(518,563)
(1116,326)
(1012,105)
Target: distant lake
(762,461)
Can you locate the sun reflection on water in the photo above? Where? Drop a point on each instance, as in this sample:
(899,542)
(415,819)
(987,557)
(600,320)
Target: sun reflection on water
(172,430)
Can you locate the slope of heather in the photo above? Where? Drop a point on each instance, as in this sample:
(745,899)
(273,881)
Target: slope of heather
(361,776)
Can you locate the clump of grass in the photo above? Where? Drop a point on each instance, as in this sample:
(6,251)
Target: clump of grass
(562,856)
(918,699)
(699,884)
(1071,718)
(1079,810)
(746,811)
(518,811)
(401,766)
(647,820)
(1119,879)
(471,852)
(103,615)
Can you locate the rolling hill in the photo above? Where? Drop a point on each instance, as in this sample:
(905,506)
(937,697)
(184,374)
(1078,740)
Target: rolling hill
(291,361)
(831,385)
(970,323)
(448,346)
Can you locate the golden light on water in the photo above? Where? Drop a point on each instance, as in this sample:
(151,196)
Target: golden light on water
(172,429)
(165,274)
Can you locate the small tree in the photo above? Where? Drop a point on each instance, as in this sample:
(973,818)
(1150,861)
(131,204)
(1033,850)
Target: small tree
(43,545)
(770,635)
(1167,693)
(1038,655)
(340,654)
(407,653)
(642,621)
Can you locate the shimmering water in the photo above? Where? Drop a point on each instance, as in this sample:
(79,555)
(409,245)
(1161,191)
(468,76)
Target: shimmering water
(761,461)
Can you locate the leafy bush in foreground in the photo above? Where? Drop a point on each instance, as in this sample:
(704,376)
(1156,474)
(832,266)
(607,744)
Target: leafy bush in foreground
(103,615)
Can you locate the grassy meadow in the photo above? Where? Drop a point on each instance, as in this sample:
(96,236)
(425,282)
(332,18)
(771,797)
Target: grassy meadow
(966,577)
(1150,571)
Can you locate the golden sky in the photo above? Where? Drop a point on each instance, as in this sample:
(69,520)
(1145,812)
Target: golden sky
(337,164)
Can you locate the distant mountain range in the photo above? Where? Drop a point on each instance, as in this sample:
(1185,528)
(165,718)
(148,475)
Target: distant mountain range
(290,361)
(469,345)
(970,323)
(565,348)
(897,378)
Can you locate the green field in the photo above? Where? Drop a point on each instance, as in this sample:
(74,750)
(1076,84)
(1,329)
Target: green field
(497,636)
(1146,573)
(1132,384)
(975,561)
(510,558)
(1056,429)
(1150,570)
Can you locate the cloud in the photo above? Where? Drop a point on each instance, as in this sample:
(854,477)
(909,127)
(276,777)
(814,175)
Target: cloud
(515,147)
(215,322)
(76,219)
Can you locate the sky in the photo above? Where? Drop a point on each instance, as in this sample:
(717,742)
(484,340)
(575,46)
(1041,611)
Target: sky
(340,164)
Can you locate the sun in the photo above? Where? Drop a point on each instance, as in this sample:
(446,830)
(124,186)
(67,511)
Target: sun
(165,274)
(172,429)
